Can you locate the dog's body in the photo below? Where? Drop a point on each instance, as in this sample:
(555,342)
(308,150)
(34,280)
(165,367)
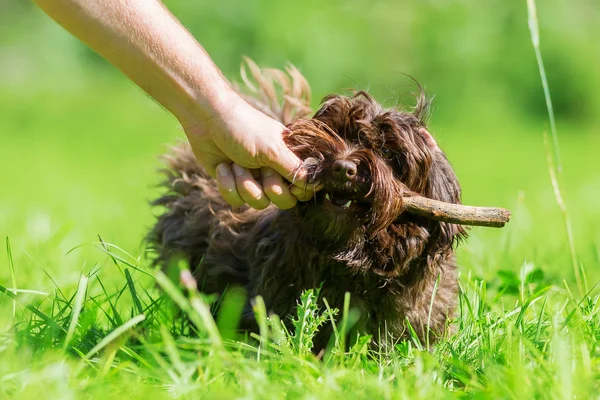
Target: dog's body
(353,237)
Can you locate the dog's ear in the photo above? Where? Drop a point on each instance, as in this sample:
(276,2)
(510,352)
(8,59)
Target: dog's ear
(429,140)
(442,181)
(421,112)
(443,185)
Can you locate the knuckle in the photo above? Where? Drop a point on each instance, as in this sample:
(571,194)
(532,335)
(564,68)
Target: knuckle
(270,153)
(242,180)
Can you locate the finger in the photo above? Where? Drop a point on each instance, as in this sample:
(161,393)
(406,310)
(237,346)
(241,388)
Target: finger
(276,190)
(227,187)
(287,164)
(302,193)
(249,189)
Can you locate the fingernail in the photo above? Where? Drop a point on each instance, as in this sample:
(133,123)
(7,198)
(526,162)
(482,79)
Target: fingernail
(310,162)
(267,172)
(223,169)
(238,170)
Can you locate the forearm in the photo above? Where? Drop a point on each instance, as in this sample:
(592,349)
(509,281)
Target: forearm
(143,40)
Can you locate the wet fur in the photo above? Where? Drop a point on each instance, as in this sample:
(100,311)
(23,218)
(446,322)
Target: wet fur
(388,261)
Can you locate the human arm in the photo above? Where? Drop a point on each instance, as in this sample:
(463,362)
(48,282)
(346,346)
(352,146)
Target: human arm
(154,50)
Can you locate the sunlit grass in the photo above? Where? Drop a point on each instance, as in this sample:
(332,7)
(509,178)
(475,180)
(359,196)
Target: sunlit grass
(89,318)
(522,338)
(83,315)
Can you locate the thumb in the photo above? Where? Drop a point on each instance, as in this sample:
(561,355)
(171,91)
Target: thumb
(289,166)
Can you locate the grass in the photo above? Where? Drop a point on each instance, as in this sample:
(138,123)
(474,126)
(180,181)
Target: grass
(131,340)
(83,315)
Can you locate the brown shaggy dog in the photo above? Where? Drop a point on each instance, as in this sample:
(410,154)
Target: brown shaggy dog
(352,237)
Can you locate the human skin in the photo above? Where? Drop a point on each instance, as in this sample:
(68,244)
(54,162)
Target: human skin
(238,145)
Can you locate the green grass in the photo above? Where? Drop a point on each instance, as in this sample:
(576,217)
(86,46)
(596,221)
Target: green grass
(520,338)
(83,315)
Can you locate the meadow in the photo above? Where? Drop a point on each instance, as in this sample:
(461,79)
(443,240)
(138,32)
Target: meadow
(84,315)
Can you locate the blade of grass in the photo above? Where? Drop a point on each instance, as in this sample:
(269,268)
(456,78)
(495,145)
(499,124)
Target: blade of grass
(231,306)
(28,291)
(260,313)
(133,354)
(171,349)
(113,336)
(13,277)
(196,309)
(104,247)
(538,329)
(580,276)
(555,170)
(110,353)
(433,293)
(106,314)
(49,321)
(162,363)
(209,324)
(535,39)
(336,334)
(47,275)
(116,315)
(530,301)
(136,300)
(413,335)
(344,327)
(175,294)
(76,310)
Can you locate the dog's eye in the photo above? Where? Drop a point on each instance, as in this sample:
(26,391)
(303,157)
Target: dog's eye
(387,153)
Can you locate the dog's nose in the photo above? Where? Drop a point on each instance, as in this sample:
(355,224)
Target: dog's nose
(344,170)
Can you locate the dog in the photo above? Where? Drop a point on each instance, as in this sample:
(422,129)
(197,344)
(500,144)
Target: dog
(352,237)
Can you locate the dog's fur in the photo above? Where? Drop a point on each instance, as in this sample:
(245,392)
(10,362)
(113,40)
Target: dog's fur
(388,261)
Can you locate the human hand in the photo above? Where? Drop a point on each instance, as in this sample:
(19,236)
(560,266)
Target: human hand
(244,150)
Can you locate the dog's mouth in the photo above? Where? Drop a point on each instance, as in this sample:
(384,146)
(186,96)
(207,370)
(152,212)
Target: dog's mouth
(339,200)
(343,200)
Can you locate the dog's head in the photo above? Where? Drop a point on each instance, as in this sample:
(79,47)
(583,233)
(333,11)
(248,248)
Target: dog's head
(367,157)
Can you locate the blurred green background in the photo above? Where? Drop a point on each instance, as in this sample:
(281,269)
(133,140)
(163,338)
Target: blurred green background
(80,143)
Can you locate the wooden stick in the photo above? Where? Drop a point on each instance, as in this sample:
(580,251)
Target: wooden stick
(456,213)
